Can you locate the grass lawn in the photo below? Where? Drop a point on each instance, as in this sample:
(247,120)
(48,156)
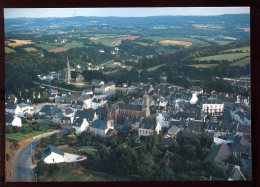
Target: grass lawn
(242,62)
(228,57)
(21,136)
(67,149)
(87,149)
(9,50)
(154,68)
(203,65)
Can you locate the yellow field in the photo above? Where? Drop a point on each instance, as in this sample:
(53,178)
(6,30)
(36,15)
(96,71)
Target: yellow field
(15,43)
(176,42)
(30,49)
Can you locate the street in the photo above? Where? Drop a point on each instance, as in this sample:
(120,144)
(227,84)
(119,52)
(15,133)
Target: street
(22,162)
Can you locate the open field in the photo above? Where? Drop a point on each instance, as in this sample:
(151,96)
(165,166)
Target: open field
(127,37)
(203,65)
(21,136)
(15,42)
(30,49)
(57,50)
(47,46)
(243,49)
(194,41)
(143,44)
(241,62)
(9,50)
(176,42)
(154,68)
(228,57)
(73,45)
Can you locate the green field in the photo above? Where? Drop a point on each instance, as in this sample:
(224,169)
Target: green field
(228,57)
(21,136)
(186,39)
(241,62)
(9,50)
(105,40)
(203,65)
(154,68)
(243,49)
(47,46)
(73,45)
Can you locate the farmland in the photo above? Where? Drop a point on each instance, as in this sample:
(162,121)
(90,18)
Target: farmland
(227,57)
(176,42)
(9,50)
(241,62)
(30,49)
(15,42)
(242,49)
(203,65)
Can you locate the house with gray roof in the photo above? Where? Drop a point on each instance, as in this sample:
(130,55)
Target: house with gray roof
(148,127)
(51,155)
(101,127)
(218,153)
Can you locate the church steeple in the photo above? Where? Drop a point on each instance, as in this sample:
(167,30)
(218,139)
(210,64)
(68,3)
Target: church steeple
(68,71)
(146,105)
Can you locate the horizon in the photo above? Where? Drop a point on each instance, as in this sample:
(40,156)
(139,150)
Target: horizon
(10,13)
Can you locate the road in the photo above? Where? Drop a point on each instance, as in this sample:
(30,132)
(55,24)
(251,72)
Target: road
(59,88)
(22,162)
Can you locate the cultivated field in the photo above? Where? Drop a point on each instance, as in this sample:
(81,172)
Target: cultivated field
(9,50)
(241,62)
(228,57)
(143,44)
(30,49)
(15,42)
(243,49)
(176,42)
(203,65)
(58,50)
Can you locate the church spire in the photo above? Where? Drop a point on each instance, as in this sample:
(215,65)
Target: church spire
(68,71)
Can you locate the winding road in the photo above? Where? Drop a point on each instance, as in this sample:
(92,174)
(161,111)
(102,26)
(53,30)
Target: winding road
(22,162)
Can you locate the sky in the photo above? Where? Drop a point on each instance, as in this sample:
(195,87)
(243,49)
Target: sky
(121,12)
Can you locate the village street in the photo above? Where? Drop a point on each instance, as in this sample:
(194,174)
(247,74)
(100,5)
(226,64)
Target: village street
(22,162)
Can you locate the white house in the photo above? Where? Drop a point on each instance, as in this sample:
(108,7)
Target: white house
(100,127)
(52,155)
(96,103)
(80,125)
(213,109)
(13,120)
(163,119)
(194,99)
(148,127)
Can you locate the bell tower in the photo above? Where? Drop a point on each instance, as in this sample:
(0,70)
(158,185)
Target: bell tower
(68,71)
(146,105)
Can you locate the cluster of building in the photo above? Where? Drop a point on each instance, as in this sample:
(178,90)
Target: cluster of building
(182,112)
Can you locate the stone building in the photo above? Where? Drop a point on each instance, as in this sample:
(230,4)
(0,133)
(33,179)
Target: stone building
(123,110)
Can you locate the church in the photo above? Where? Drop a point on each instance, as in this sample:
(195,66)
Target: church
(120,111)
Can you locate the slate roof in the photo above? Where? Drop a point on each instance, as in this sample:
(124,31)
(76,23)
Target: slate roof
(220,127)
(46,152)
(218,153)
(9,118)
(65,118)
(50,110)
(68,111)
(77,122)
(129,107)
(241,144)
(86,113)
(99,124)
(148,123)
(235,173)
